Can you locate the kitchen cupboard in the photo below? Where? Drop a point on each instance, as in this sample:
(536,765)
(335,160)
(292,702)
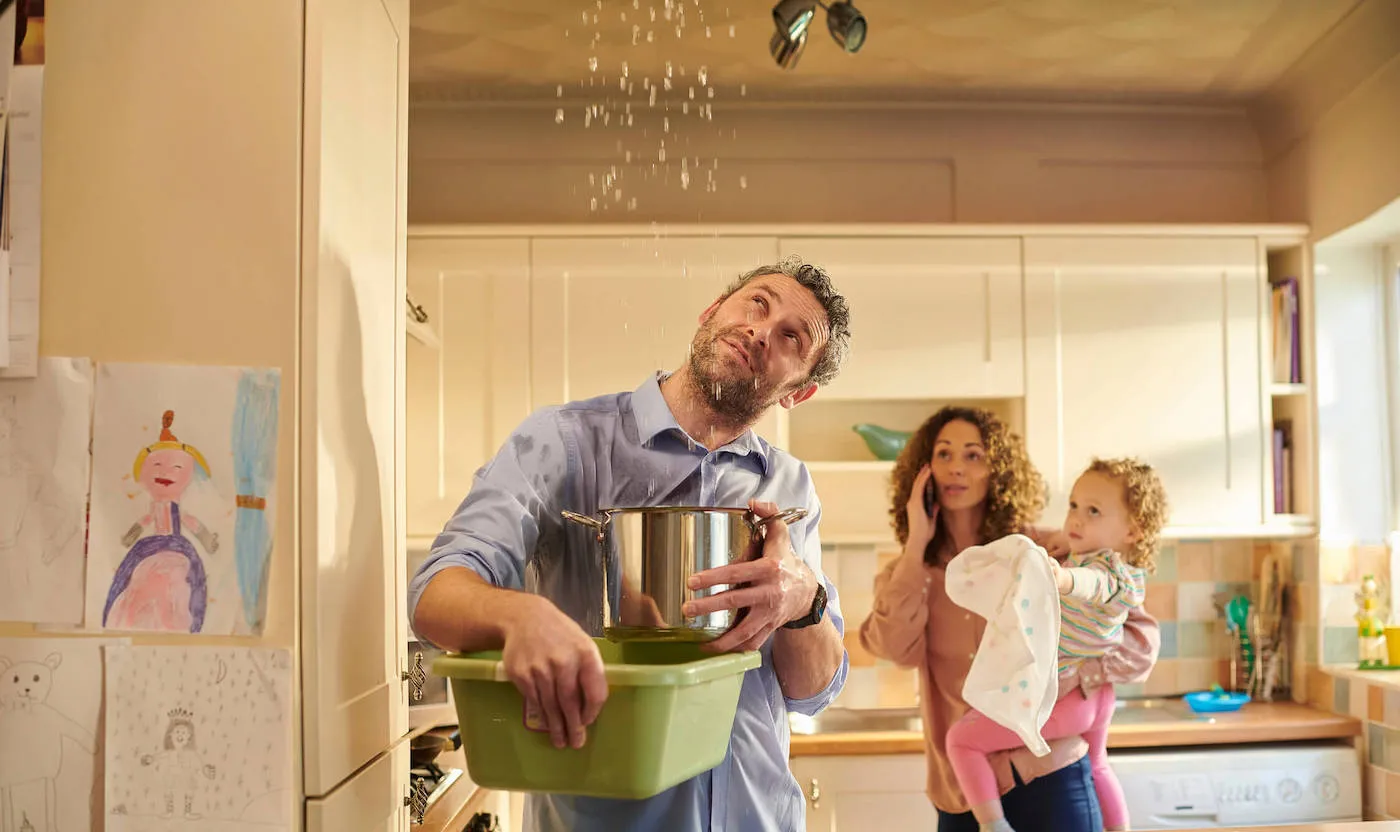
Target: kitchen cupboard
(935,318)
(1149,347)
(606,311)
(1091,340)
(204,208)
(467,392)
(846,793)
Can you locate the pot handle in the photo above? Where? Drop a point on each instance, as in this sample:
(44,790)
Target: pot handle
(592,522)
(787,515)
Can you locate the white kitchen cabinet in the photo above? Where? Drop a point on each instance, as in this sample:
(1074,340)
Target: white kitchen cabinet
(606,311)
(467,393)
(931,317)
(857,793)
(353,623)
(1149,347)
(373,800)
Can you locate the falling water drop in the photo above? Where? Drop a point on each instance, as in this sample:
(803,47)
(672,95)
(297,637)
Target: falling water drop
(593,63)
(585,17)
(685,180)
(665,124)
(661,154)
(692,93)
(624,69)
(628,156)
(707,31)
(685,108)
(731,30)
(559,116)
(666,82)
(632,204)
(743,183)
(719,391)
(704,75)
(743,89)
(651,36)
(593,204)
(651,102)
(710,92)
(587,117)
(559,91)
(678,31)
(629,119)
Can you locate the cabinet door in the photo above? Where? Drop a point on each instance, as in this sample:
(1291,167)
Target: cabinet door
(930,318)
(1149,347)
(468,393)
(353,628)
(849,794)
(371,801)
(606,312)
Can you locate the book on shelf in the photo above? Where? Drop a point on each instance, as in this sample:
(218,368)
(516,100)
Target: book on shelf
(1283,467)
(1287,342)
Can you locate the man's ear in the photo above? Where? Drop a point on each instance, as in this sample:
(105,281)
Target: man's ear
(710,310)
(798,396)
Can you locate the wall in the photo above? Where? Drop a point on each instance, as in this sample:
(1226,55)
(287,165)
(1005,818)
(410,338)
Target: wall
(807,163)
(1329,126)
(1377,705)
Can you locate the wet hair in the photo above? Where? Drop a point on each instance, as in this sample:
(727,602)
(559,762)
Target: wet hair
(1015,489)
(838,314)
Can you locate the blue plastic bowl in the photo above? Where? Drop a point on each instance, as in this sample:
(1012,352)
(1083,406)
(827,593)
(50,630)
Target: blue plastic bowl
(1210,702)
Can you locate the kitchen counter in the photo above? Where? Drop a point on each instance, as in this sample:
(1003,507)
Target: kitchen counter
(1151,723)
(1363,826)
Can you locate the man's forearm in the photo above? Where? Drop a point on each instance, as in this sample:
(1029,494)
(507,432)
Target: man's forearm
(459,610)
(806,659)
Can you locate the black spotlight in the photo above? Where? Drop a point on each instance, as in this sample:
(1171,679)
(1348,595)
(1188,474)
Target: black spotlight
(847,26)
(792,19)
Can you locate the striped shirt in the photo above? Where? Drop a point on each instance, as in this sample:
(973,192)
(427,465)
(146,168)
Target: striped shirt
(1103,589)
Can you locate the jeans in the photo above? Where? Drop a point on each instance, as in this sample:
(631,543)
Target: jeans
(1062,801)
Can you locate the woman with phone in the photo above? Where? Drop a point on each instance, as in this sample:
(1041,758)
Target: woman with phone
(964,480)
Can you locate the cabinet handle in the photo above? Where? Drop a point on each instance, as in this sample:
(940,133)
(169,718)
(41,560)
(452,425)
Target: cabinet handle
(417,801)
(415,677)
(814,793)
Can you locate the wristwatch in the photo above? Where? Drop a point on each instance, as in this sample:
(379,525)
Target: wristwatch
(816,613)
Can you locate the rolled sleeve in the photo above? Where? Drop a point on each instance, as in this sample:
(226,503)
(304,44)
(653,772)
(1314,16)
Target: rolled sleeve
(810,549)
(513,497)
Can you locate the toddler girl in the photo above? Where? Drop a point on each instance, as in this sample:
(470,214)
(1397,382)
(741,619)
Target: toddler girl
(1116,511)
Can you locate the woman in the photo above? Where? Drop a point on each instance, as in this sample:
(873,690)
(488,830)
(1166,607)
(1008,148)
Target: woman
(964,480)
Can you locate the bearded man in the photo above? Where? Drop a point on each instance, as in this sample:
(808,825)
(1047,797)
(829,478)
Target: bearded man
(509,573)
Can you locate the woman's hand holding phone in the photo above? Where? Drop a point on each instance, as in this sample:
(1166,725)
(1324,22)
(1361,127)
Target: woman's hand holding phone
(921,511)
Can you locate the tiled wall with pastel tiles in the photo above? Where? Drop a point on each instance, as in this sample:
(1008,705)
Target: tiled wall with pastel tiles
(1378,707)
(1333,588)
(1181,595)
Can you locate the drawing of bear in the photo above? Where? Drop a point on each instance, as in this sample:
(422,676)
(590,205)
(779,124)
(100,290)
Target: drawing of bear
(40,729)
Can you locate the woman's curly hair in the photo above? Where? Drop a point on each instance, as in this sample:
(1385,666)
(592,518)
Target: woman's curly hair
(1146,500)
(1015,489)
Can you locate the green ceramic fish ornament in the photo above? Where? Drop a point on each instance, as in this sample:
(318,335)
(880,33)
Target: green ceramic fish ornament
(884,443)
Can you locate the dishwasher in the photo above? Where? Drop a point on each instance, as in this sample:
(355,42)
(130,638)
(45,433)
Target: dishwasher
(1209,787)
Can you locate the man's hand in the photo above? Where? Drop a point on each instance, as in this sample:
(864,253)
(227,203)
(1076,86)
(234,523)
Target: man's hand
(773,589)
(556,667)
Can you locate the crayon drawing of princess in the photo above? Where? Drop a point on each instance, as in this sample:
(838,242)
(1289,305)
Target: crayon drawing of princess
(161,584)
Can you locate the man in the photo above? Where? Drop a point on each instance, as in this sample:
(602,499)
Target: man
(683,438)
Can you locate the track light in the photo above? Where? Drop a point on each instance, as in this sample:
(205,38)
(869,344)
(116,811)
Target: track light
(792,19)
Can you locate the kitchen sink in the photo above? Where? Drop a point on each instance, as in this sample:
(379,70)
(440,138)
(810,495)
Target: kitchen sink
(853,720)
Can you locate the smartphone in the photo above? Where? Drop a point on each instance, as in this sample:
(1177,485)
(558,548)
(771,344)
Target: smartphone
(930,497)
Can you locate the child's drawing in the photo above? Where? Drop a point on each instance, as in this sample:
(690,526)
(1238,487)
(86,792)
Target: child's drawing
(199,736)
(179,764)
(45,423)
(183,481)
(50,705)
(160,584)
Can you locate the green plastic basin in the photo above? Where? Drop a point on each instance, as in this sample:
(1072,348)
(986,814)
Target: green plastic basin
(668,717)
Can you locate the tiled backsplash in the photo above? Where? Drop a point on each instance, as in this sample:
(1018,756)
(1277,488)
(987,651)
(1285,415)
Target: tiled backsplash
(1195,645)
(1378,708)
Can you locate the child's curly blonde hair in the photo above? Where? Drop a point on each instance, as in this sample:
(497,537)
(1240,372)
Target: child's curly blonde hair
(1146,500)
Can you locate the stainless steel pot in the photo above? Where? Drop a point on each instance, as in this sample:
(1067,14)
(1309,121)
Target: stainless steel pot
(649,553)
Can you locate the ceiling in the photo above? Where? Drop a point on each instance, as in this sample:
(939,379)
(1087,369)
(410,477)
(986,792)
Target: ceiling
(1149,50)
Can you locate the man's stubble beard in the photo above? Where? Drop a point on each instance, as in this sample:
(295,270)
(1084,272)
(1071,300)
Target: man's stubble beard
(735,403)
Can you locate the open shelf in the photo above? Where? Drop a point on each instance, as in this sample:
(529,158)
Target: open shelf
(1290,447)
(821,432)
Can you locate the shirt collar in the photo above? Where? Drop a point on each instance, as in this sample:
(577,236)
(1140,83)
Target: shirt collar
(654,417)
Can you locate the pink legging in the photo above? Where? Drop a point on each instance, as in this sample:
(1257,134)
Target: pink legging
(975,736)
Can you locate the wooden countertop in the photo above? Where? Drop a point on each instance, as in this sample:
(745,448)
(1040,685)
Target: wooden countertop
(1363,826)
(1256,722)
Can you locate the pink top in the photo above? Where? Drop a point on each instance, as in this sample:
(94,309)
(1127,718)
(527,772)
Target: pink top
(914,624)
